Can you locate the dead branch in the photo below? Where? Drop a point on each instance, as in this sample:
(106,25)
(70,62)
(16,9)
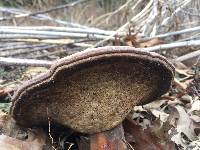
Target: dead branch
(109,15)
(188,56)
(41,17)
(172,45)
(8,47)
(43,12)
(24,62)
(34,41)
(29,50)
(61,29)
(18,33)
(14,61)
(144,11)
(172,33)
(167,20)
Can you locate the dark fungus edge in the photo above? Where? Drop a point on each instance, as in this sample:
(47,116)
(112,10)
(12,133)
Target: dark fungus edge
(81,56)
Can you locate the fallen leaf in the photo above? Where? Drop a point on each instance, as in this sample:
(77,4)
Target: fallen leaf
(9,143)
(5,92)
(160,114)
(184,127)
(149,43)
(142,139)
(131,40)
(194,145)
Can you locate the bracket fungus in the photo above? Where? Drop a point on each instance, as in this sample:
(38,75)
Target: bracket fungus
(93,91)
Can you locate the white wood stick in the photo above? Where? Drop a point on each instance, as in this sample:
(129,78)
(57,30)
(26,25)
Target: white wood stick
(53,34)
(188,56)
(173,33)
(172,45)
(60,29)
(24,62)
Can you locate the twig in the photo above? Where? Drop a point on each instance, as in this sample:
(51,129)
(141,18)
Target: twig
(126,24)
(169,19)
(172,45)
(19,46)
(46,41)
(47,54)
(109,15)
(42,17)
(78,43)
(24,51)
(119,9)
(69,52)
(44,11)
(10,43)
(193,37)
(190,13)
(16,33)
(49,129)
(33,62)
(128,144)
(172,33)
(155,22)
(152,19)
(25,36)
(188,56)
(182,86)
(24,62)
(70,145)
(61,29)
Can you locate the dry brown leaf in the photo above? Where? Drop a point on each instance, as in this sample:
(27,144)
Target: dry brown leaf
(150,43)
(143,139)
(15,138)
(131,40)
(5,92)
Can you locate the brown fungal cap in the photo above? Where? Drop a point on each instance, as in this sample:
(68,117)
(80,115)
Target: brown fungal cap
(93,90)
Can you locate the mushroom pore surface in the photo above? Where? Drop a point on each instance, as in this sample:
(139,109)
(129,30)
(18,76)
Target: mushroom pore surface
(94,93)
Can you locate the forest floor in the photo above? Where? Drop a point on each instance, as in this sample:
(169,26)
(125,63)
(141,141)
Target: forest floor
(33,34)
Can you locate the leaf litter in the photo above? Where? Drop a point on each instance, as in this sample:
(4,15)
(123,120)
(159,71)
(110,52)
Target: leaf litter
(172,122)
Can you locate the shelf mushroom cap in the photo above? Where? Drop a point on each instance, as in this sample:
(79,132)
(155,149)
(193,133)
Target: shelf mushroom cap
(93,90)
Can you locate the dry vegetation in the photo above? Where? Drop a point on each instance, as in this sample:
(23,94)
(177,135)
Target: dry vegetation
(35,33)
